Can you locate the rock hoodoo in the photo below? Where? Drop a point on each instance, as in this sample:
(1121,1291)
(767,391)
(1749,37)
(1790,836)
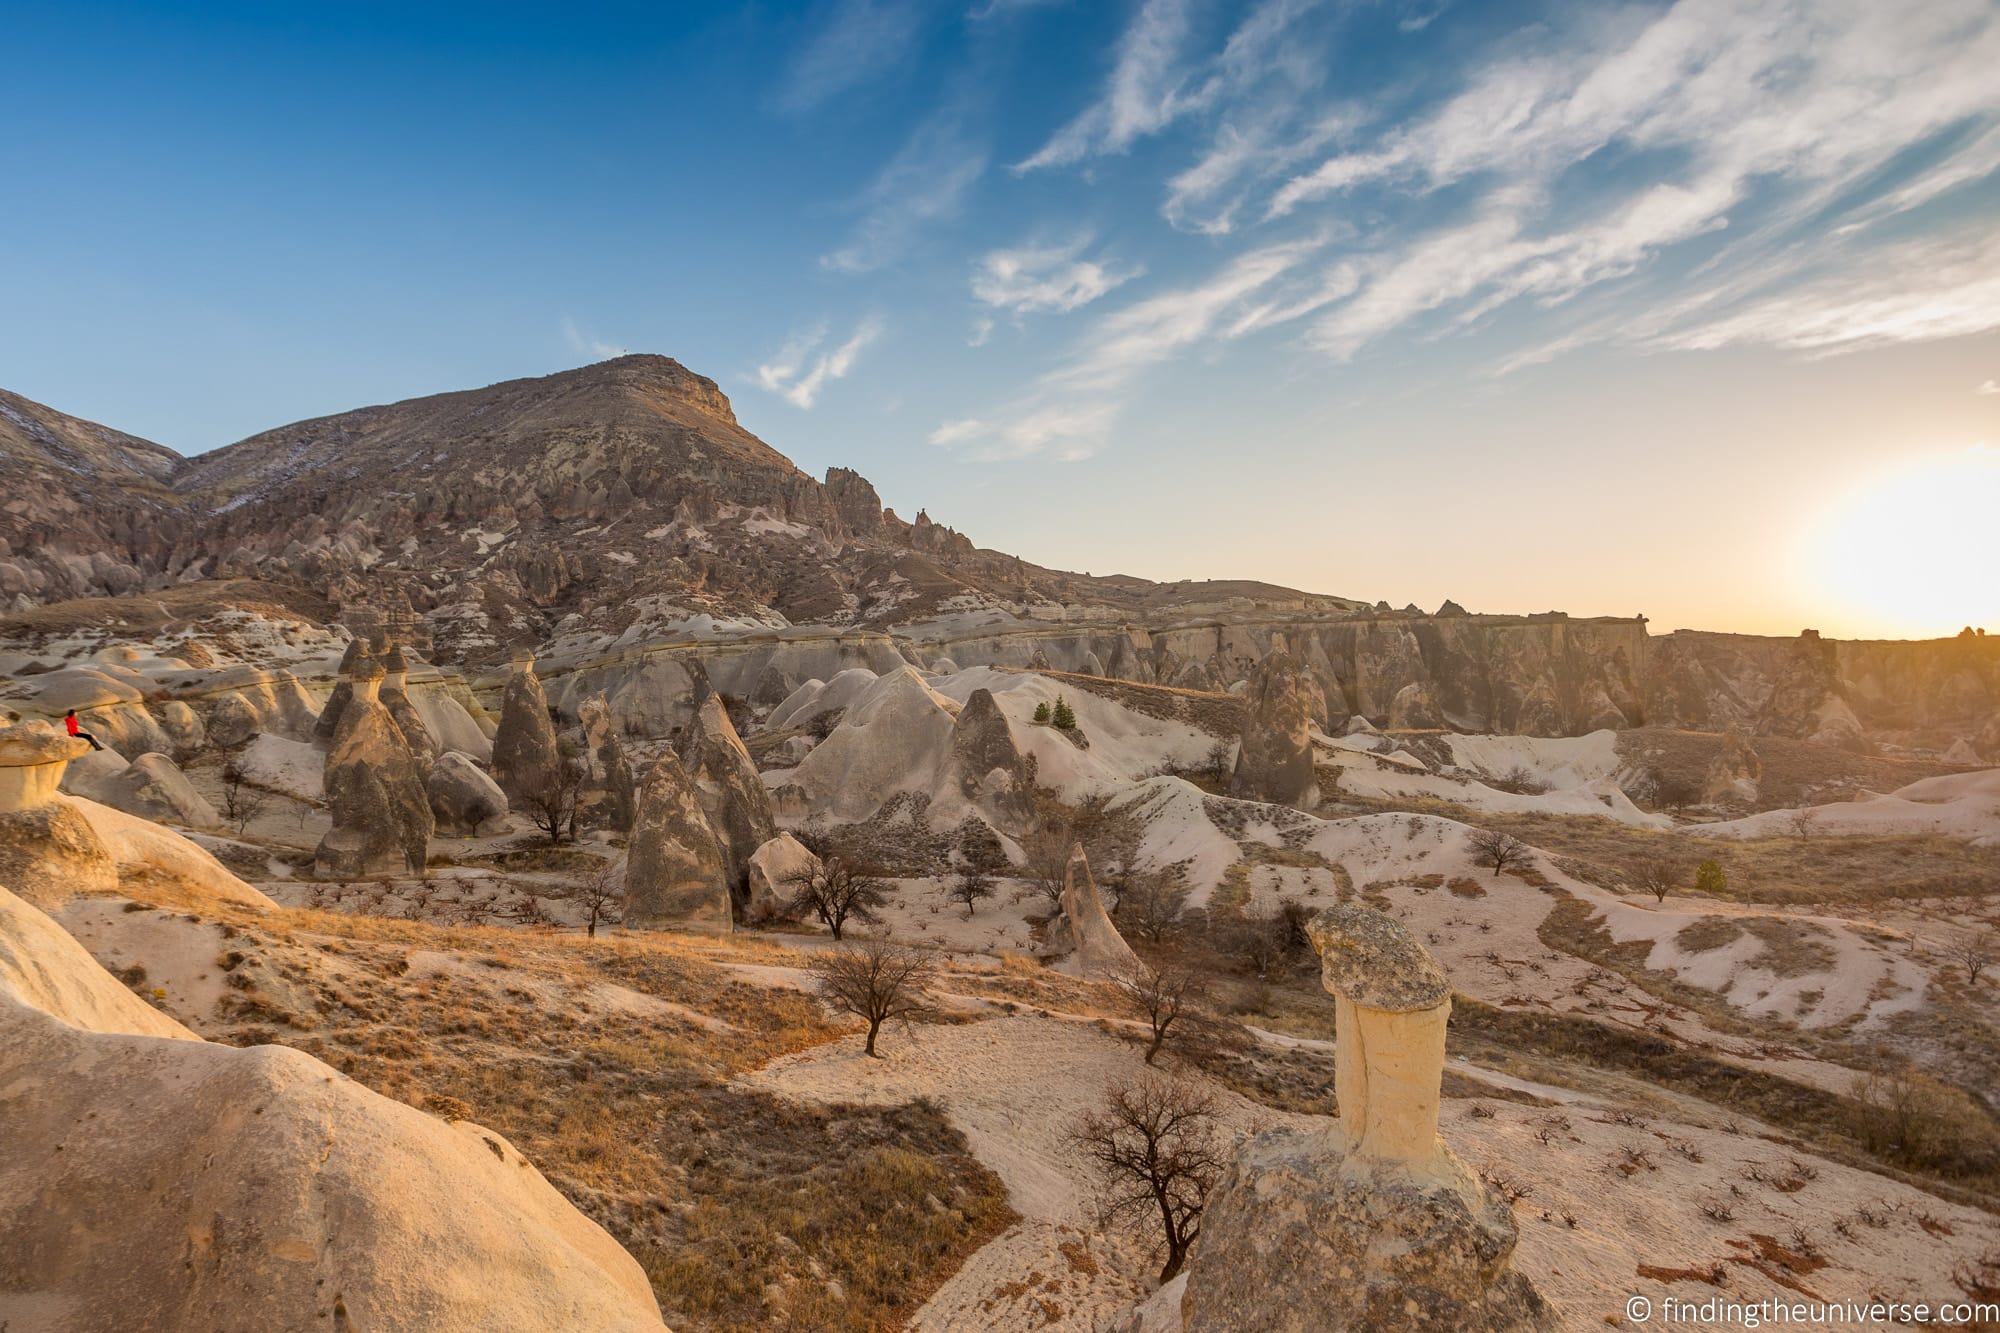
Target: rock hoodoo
(1376,1224)
(526,756)
(1082,938)
(382,820)
(725,780)
(48,850)
(674,872)
(986,764)
(1275,762)
(396,698)
(1734,773)
(329,713)
(610,770)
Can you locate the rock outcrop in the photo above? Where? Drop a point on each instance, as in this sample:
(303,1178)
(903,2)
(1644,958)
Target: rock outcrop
(153,787)
(336,703)
(732,795)
(526,755)
(396,698)
(48,849)
(1374,1225)
(382,820)
(674,871)
(464,800)
(1082,940)
(772,870)
(985,763)
(1275,761)
(255,1188)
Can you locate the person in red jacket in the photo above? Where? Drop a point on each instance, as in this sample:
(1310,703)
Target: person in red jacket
(69,725)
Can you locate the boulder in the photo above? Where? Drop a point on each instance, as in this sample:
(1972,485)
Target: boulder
(155,1180)
(153,787)
(674,871)
(232,721)
(1374,1224)
(526,755)
(382,820)
(464,800)
(1082,939)
(725,778)
(1275,761)
(772,868)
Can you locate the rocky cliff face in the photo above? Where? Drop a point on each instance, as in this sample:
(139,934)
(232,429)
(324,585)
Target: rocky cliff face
(621,519)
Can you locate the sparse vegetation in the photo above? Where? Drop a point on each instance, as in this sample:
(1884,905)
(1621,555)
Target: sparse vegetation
(877,981)
(967,890)
(1156,1152)
(833,890)
(552,798)
(1498,850)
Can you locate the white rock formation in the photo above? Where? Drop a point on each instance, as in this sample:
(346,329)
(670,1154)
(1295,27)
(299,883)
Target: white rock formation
(1082,939)
(154,1180)
(772,868)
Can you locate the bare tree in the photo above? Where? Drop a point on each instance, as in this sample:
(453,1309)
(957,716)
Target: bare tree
(1803,823)
(1150,905)
(552,799)
(876,981)
(968,890)
(1975,953)
(1165,997)
(1155,1149)
(601,897)
(1674,794)
(1047,866)
(241,802)
(1501,851)
(831,889)
(1661,874)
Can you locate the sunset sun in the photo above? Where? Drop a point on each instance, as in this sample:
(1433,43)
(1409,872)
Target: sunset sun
(1912,549)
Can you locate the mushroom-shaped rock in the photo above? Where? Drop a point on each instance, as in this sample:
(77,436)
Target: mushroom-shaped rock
(725,778)
(382,820)
(774,868)
(336,703)
(309,1200)
(153,787)
(48,850)
(526,756)
(1275,761)
(464,800)
(395,697)
(674,872)
(1082,939)
(1374,1225)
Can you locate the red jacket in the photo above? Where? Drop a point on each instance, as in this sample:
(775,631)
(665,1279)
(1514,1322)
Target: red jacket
(70,722)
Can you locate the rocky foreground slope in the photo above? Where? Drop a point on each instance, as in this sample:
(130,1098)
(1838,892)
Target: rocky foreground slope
(621,520)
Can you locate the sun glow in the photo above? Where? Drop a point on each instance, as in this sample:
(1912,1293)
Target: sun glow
(1913,551)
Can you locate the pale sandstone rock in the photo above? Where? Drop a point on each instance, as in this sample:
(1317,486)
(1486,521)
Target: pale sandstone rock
(1082,938)
(772,870)
(395,697)
(985,763)
(464,800)
(153,787)
(733,796)
(48,850)
(674,871)
(1275,760)
(1374,1225)
(526,755)
(225,1187)
(382,820)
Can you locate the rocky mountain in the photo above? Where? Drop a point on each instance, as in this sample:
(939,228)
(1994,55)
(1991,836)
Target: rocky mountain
(620,520)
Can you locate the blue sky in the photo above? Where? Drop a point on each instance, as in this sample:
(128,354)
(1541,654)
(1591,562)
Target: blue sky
(1607,307)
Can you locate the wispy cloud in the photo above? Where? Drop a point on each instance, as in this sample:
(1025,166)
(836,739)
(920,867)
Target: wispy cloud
(1031,278)
(587,345)
(925,182)
(1988,388)
(804,365)
(854,41)
(993,9)
(1792,103)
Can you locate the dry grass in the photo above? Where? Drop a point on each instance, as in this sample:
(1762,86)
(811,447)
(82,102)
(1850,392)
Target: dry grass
(743,1209)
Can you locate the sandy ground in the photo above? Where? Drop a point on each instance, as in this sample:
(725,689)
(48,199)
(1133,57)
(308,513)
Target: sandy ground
(1615,1205)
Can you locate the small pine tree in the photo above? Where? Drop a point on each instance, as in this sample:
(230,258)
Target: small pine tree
(1065,716)
(1708,878)
(1042,711)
